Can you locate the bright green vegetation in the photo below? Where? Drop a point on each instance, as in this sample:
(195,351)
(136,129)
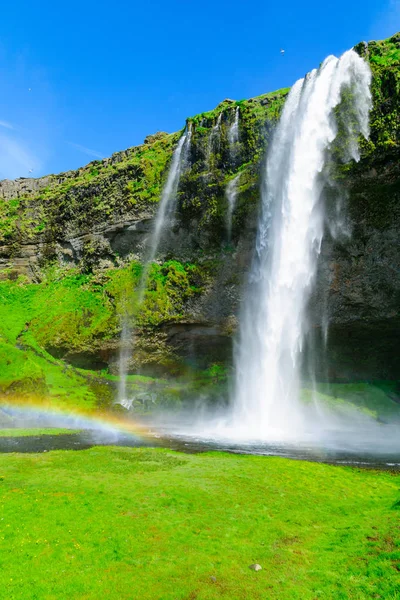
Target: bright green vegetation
(71,309)
(72,317)
(121,523)
(75,315)
(27,313)
(100,190)
(384,58)
(385,53)
(34,431)
(26,375)
(374,400)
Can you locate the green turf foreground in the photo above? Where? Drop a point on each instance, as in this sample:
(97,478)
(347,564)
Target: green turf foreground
(122,523)
(35,431)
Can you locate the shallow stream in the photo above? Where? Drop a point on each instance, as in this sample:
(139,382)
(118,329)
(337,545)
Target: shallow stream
(359,455)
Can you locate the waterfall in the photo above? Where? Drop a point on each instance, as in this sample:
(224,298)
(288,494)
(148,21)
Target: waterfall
(233,133)
(218,123)
(231,195)
(166,210)
(231,189)
(266,401)
(213,136)
(164,216)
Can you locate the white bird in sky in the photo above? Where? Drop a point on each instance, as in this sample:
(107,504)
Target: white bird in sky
(282,52)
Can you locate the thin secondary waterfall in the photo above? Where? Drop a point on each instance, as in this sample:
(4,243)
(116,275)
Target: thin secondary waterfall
(291,224)
(165,214)
(233,133)
(232,187)
(213,137)
(167,206)
(231,195)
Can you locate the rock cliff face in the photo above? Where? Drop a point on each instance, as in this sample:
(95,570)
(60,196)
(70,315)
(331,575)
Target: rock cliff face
(97,220)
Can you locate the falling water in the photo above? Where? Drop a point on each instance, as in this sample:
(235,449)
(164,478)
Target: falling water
(166,210)
(290,231)
(233,133)
(232,187)
(213,137)
(164,217)
(231,195)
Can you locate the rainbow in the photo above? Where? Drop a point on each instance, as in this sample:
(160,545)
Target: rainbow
(46,414)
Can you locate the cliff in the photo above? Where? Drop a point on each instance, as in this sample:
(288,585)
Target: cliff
(72,246)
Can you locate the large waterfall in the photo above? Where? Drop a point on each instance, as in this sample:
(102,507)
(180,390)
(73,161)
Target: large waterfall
(290,231)
(164,217)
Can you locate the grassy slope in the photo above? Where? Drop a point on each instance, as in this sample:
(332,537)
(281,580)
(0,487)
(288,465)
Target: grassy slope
(26,366)
(70,311)
(123,523)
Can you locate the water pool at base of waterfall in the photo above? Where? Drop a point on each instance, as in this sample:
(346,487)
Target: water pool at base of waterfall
(337,448)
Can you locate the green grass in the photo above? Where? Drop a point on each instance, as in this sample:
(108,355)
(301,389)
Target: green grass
(24,374)
(146,524)
(373,399)
(26,432)
(70,313)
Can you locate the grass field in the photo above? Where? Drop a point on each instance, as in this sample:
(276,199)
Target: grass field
(145,524)
(18,432)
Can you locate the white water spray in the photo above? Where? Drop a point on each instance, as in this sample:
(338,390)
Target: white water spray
(213,137)
(290,231)
(167,206)
(231,195)
(233,133)
(164,218)
(231,191)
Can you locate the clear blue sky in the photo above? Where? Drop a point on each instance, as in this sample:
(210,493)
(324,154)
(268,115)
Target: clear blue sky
(85,79)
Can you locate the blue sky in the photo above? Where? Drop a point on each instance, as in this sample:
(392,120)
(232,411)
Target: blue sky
(81,80)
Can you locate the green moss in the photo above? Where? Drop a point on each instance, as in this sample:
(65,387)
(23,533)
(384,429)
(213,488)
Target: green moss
(71,314)
(384,59)
(100,191)
(169,286)
(385,53)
